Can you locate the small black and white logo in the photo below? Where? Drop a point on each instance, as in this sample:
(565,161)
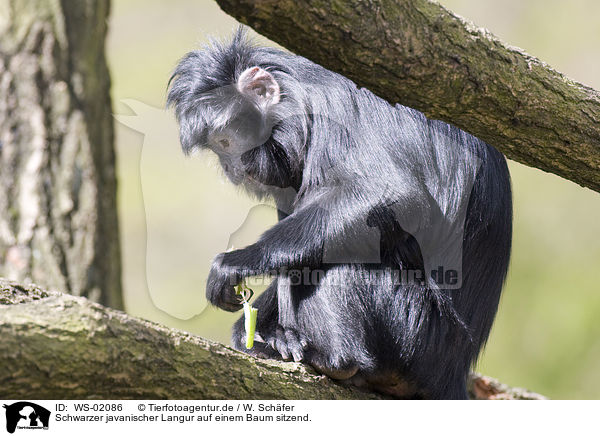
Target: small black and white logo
(26,415)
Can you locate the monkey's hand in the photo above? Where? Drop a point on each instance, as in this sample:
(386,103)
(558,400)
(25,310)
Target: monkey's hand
(222,279)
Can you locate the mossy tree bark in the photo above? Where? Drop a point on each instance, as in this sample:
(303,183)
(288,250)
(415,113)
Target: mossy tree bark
(417,53)
(58,222)
(59,346)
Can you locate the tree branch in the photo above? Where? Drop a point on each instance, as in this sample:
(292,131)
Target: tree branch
(59,346)
(418,53)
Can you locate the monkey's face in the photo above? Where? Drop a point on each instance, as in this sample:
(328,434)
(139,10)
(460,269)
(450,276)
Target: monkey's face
(231,120)
(246,128)
(243,120)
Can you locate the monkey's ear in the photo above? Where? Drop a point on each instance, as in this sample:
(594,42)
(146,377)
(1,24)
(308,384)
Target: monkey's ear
(259,85)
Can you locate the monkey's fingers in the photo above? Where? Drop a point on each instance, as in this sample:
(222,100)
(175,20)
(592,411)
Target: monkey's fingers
(230,305)
(227,300)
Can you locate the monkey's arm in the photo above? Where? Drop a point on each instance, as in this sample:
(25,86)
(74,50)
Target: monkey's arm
(297,241)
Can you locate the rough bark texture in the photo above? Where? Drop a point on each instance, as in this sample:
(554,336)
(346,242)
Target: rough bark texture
(417,53)
(59,346)
(58,222)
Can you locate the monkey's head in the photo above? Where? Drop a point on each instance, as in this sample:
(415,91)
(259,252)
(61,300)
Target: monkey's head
(227,111)
(244,103)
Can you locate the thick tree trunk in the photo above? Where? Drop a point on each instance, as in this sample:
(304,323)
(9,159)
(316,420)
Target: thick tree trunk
(58,222)
(418,53)
(58,346)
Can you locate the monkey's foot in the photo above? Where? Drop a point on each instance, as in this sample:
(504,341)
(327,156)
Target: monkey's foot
(289,343)
(342,373)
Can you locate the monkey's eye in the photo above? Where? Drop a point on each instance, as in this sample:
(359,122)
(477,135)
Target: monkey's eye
(224,143)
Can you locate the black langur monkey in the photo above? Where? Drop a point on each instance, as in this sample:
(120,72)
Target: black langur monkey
(394,231)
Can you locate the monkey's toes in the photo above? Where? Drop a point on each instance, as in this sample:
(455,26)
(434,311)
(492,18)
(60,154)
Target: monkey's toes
(289,343)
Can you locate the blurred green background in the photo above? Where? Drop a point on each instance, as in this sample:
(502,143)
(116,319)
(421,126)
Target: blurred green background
(176,213)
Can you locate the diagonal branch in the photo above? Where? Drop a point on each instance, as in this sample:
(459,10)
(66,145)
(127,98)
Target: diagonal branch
(418,53)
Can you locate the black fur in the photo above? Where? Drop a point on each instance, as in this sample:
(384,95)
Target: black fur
(365,190)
